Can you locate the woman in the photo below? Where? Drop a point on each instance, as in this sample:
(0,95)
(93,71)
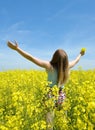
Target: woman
(57,70)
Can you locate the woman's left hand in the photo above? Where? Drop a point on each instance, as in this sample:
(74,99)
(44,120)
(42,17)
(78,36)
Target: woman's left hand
(13,46)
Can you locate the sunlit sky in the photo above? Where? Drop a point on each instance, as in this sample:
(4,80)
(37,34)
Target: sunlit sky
(42,26)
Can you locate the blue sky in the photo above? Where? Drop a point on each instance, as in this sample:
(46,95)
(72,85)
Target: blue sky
(42,26)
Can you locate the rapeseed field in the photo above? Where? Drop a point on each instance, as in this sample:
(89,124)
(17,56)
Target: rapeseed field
(22,106)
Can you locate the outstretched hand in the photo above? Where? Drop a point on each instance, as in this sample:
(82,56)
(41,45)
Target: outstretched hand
(13,46)
(83,50)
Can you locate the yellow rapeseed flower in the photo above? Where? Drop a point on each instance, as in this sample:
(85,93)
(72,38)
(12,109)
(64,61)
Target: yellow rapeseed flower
(83,49)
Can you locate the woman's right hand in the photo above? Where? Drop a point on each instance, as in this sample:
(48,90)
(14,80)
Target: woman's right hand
(82,52)
(13,46)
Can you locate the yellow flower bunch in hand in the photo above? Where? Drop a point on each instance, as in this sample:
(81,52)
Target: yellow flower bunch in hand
(83,50)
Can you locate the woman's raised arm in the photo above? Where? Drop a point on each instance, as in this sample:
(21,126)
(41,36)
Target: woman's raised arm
(39,62)
(74,62)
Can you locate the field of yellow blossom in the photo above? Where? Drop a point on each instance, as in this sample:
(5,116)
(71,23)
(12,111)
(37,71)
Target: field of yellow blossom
(22,106)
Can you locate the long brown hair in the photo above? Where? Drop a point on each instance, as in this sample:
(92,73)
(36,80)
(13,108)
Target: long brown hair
(60,62)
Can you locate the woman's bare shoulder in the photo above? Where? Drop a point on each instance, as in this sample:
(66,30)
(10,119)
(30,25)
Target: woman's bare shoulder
(49,66)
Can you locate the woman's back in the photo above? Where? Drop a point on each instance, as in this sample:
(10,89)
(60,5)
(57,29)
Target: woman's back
(52,77)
